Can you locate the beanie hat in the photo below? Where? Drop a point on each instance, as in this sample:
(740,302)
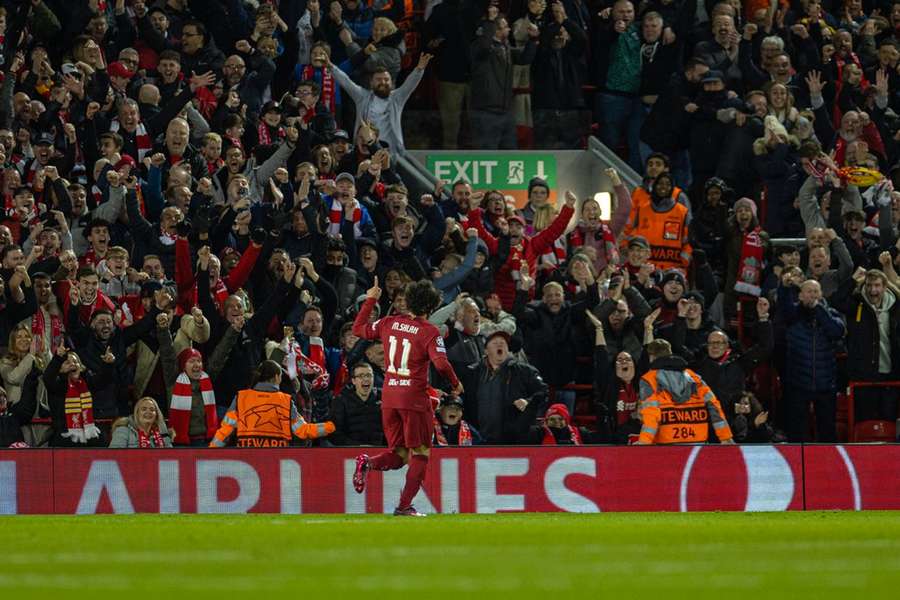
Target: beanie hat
(558,409)
(538,182)
(187,354)
(746,203)
(673,275)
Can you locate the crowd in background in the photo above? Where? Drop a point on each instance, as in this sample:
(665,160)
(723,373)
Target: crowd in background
(194,189)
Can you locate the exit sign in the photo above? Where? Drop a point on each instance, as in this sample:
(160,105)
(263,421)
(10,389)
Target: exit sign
(502,171)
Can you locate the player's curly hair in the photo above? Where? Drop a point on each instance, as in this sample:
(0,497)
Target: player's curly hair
(422,298)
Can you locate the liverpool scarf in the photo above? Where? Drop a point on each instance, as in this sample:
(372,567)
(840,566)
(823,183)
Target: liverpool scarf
(39,329)
(79,413)
(312,366)
(326,82)
(336,215)
(555,254)
(582,234)
(144,440)
(465,434)
(750,266)
(266,136)
(550,439)
(182,401)
(141,139)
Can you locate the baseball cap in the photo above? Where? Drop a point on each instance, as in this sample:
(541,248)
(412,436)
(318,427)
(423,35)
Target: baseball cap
(712,76)
(639,241)
(118,69)
(340,134)
(345,177)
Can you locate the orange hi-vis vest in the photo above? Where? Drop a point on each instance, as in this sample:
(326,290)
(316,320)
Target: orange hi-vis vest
(266,420)
(666,232)
(677,407)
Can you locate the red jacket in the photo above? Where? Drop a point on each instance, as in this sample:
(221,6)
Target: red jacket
(530,249)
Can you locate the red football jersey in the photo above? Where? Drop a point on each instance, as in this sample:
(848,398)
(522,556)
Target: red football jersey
(410,346)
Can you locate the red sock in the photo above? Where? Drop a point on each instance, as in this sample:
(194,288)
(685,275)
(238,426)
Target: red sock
(386,461)
(414,478)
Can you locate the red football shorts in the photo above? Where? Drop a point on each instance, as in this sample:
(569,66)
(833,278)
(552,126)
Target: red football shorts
(407,428)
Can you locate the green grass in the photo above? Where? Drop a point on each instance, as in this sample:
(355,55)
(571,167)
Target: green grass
(660,556)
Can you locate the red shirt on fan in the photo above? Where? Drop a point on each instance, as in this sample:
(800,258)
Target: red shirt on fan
(410,345)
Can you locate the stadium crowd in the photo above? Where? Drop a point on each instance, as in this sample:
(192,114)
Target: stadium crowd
(199,191)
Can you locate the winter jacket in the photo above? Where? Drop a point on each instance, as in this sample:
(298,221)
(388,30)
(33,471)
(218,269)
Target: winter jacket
(391,131)
(606,399)
(727,378)
(864,335)
(512,380)
(550,338)
(126,436)
(812,339)
(108,382)
(531,248)
(782,178)
(388,54)
(557,75)
(356,422)
(492,69)
(665,128)
(630,337)
(57,386)
(18,415)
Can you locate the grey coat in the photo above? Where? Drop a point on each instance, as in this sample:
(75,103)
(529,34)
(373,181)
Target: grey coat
(391,131)
(126,436)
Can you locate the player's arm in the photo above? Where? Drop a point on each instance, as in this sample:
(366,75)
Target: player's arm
(361,326)
(438,356)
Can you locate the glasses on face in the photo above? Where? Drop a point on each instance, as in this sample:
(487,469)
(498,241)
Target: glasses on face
(364,376)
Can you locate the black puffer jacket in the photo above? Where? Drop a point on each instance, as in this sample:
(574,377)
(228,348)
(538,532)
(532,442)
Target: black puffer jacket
(550,339)
(19,414)
(356,422)
(512,380)
(727,379)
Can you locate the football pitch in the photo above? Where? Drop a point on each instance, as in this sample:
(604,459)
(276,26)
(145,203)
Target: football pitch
(730,555)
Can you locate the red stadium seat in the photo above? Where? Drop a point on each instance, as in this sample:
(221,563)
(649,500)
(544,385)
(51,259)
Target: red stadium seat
(876,431)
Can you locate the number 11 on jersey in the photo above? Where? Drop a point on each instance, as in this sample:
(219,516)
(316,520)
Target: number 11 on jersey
(403,369)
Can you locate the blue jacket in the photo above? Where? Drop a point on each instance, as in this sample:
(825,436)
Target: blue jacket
(812,340)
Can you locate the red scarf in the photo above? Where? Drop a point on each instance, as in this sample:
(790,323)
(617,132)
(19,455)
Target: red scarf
(555,254)
(142,139)
(327,95)
(39,326)
(215,165)
(550,439)
(465,434)
(750,266)
(724,356)
(181,406)
(626,404)
(336,216)
(312,365)
(341,378)
(144,439)
(79,413)
(266,135)
(581,235)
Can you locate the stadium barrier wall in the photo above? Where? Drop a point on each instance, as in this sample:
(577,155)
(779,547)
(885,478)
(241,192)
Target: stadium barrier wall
(467,480)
